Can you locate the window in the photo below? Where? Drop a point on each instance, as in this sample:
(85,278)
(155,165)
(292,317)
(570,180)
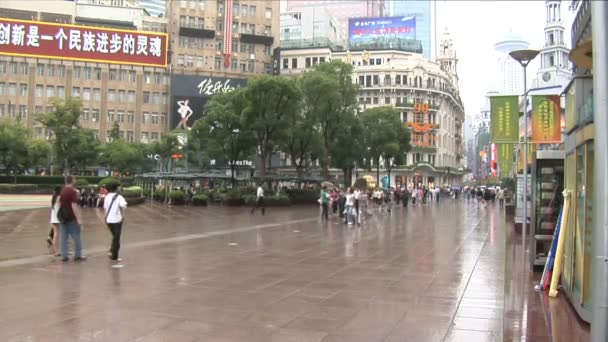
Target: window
(243,66)
(180,60)
(25,68)
(157,78)
(15,68)
(12,89)
(111,95)
(95,115)
(199,62)
(147,78)
(252,11)
(165,79)
(122,96)
(96,94)
(122,75)
(375,100)
(12,109)
(189,61)
(321,59)
(267,30)
(268,13)
(51,71)
(219,26)
(251,66)
(50,91)
(183,3)
(144,137)
(154,136)
(294,63)
(285,63)
(39,69)
(130,137)
(235,64)
(3,67)
(112,75)
(315,61)
(146,97)
(244,10)
(23,89)
(155,118)
(145,118)
(220,7)
(155,98)
(77,72)
(61,92)
(235,45)
(120,116)
(201,4)
(61,70)
(218,63)
(192,4)
(131,117)
(131,96)
(110,116)
(235,9)
(252,28)
(387,100)
(87,73)
(163,119)
(376,79)
(398,79)
(85,115)
(163,98)
(2,110)
(307,62)
(22,112)
(39,90)
(76,92)
(86,94)
(132,76)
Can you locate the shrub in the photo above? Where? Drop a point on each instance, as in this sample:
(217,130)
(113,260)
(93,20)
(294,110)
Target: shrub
(200,200)
(131,201)
(132,192)
(28,189)
(303,196)
(81,182)
(277,200)
(107,181)
(233,197)
(177,197)
(25,179)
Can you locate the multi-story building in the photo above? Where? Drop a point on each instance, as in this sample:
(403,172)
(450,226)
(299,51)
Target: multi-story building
(128,91)
(207,55)
(342,10)
(217,44)
(156,8)
(510,73)
(425,93)
(309,23)
(424,14)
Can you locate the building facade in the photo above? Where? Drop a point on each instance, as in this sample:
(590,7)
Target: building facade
(138,96)
(425,93)
(342,10)
(554,64)
(510,73)
(156,8)
(309,23)
(422,10)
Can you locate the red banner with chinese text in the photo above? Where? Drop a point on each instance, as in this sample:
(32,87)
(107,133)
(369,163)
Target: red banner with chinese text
(83,43)
(546,119)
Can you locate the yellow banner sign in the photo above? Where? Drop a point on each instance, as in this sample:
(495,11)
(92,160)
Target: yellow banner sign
(546,119)
(504,119)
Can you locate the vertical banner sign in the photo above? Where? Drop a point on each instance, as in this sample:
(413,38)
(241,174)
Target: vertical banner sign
(228,31)
(546,119)
(505,159)
(504,119)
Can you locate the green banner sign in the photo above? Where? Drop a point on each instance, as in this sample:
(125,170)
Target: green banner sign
(505,159)
(504,119)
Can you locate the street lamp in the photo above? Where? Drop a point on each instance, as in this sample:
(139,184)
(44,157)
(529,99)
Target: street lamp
(524,57)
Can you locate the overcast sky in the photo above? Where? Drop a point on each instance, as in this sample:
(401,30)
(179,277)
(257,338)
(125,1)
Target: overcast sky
(476,25)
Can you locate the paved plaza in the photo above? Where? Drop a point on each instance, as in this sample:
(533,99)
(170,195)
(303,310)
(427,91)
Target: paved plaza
(439,272)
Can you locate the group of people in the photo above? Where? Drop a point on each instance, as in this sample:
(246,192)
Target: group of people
(66,219)
(484,196)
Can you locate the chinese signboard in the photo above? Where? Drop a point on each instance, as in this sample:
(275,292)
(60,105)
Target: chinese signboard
(546,119)
(82,43)
(397,27)
(505,159)
(190,93)
(504,119)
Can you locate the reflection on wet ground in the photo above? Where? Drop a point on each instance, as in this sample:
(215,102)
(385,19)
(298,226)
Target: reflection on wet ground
(441,272)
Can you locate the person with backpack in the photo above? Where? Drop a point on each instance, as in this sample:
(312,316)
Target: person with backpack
(69,216)
(114,207)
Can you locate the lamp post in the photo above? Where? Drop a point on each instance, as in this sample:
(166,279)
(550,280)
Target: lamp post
(524,57)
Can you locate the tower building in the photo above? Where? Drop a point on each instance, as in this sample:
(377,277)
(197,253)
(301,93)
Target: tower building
(554,65)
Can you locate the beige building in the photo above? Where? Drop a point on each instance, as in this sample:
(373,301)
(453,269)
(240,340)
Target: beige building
(426,94)
(137,97)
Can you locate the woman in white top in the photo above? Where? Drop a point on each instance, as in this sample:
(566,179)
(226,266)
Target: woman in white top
(114,205)
(350,206)
(53,237)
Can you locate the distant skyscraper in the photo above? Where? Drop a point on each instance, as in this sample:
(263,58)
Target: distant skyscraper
(421,9)
(154,7)
(342,9)
(510,73)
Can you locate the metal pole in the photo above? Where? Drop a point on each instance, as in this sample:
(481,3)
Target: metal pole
(599,264)
(525,219)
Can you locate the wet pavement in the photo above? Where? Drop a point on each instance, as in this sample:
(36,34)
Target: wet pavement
(440,272)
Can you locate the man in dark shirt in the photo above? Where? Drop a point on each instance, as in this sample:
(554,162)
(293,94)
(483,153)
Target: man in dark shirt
(70,225)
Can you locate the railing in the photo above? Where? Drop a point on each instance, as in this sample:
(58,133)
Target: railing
(424,149)
(310,43)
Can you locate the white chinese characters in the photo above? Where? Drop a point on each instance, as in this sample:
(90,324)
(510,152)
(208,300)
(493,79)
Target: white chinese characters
(207,87)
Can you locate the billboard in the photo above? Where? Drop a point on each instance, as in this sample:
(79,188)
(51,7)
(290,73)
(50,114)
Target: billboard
(190,93)
(397,27)
(82,43)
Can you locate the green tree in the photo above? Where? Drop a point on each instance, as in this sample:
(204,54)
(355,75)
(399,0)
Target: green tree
(115,132)
(269,101)
(13,145)
(165,148)
(83,148)
(348,148)
(121,156)
(339,96)
(223,130)
(38,151)
(386,138)
(62,122)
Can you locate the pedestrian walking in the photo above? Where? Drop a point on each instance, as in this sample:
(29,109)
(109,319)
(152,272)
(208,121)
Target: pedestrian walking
(406,197)
(324,204)
(114,207)
(350,207)
(69,216)
(501,197)
(259,200)
(53,238)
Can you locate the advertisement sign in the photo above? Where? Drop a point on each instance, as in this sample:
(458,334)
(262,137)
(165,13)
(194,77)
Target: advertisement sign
(190,93)
(505,159)
(546,119)
(83,43)
(504,119)
(396,27)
